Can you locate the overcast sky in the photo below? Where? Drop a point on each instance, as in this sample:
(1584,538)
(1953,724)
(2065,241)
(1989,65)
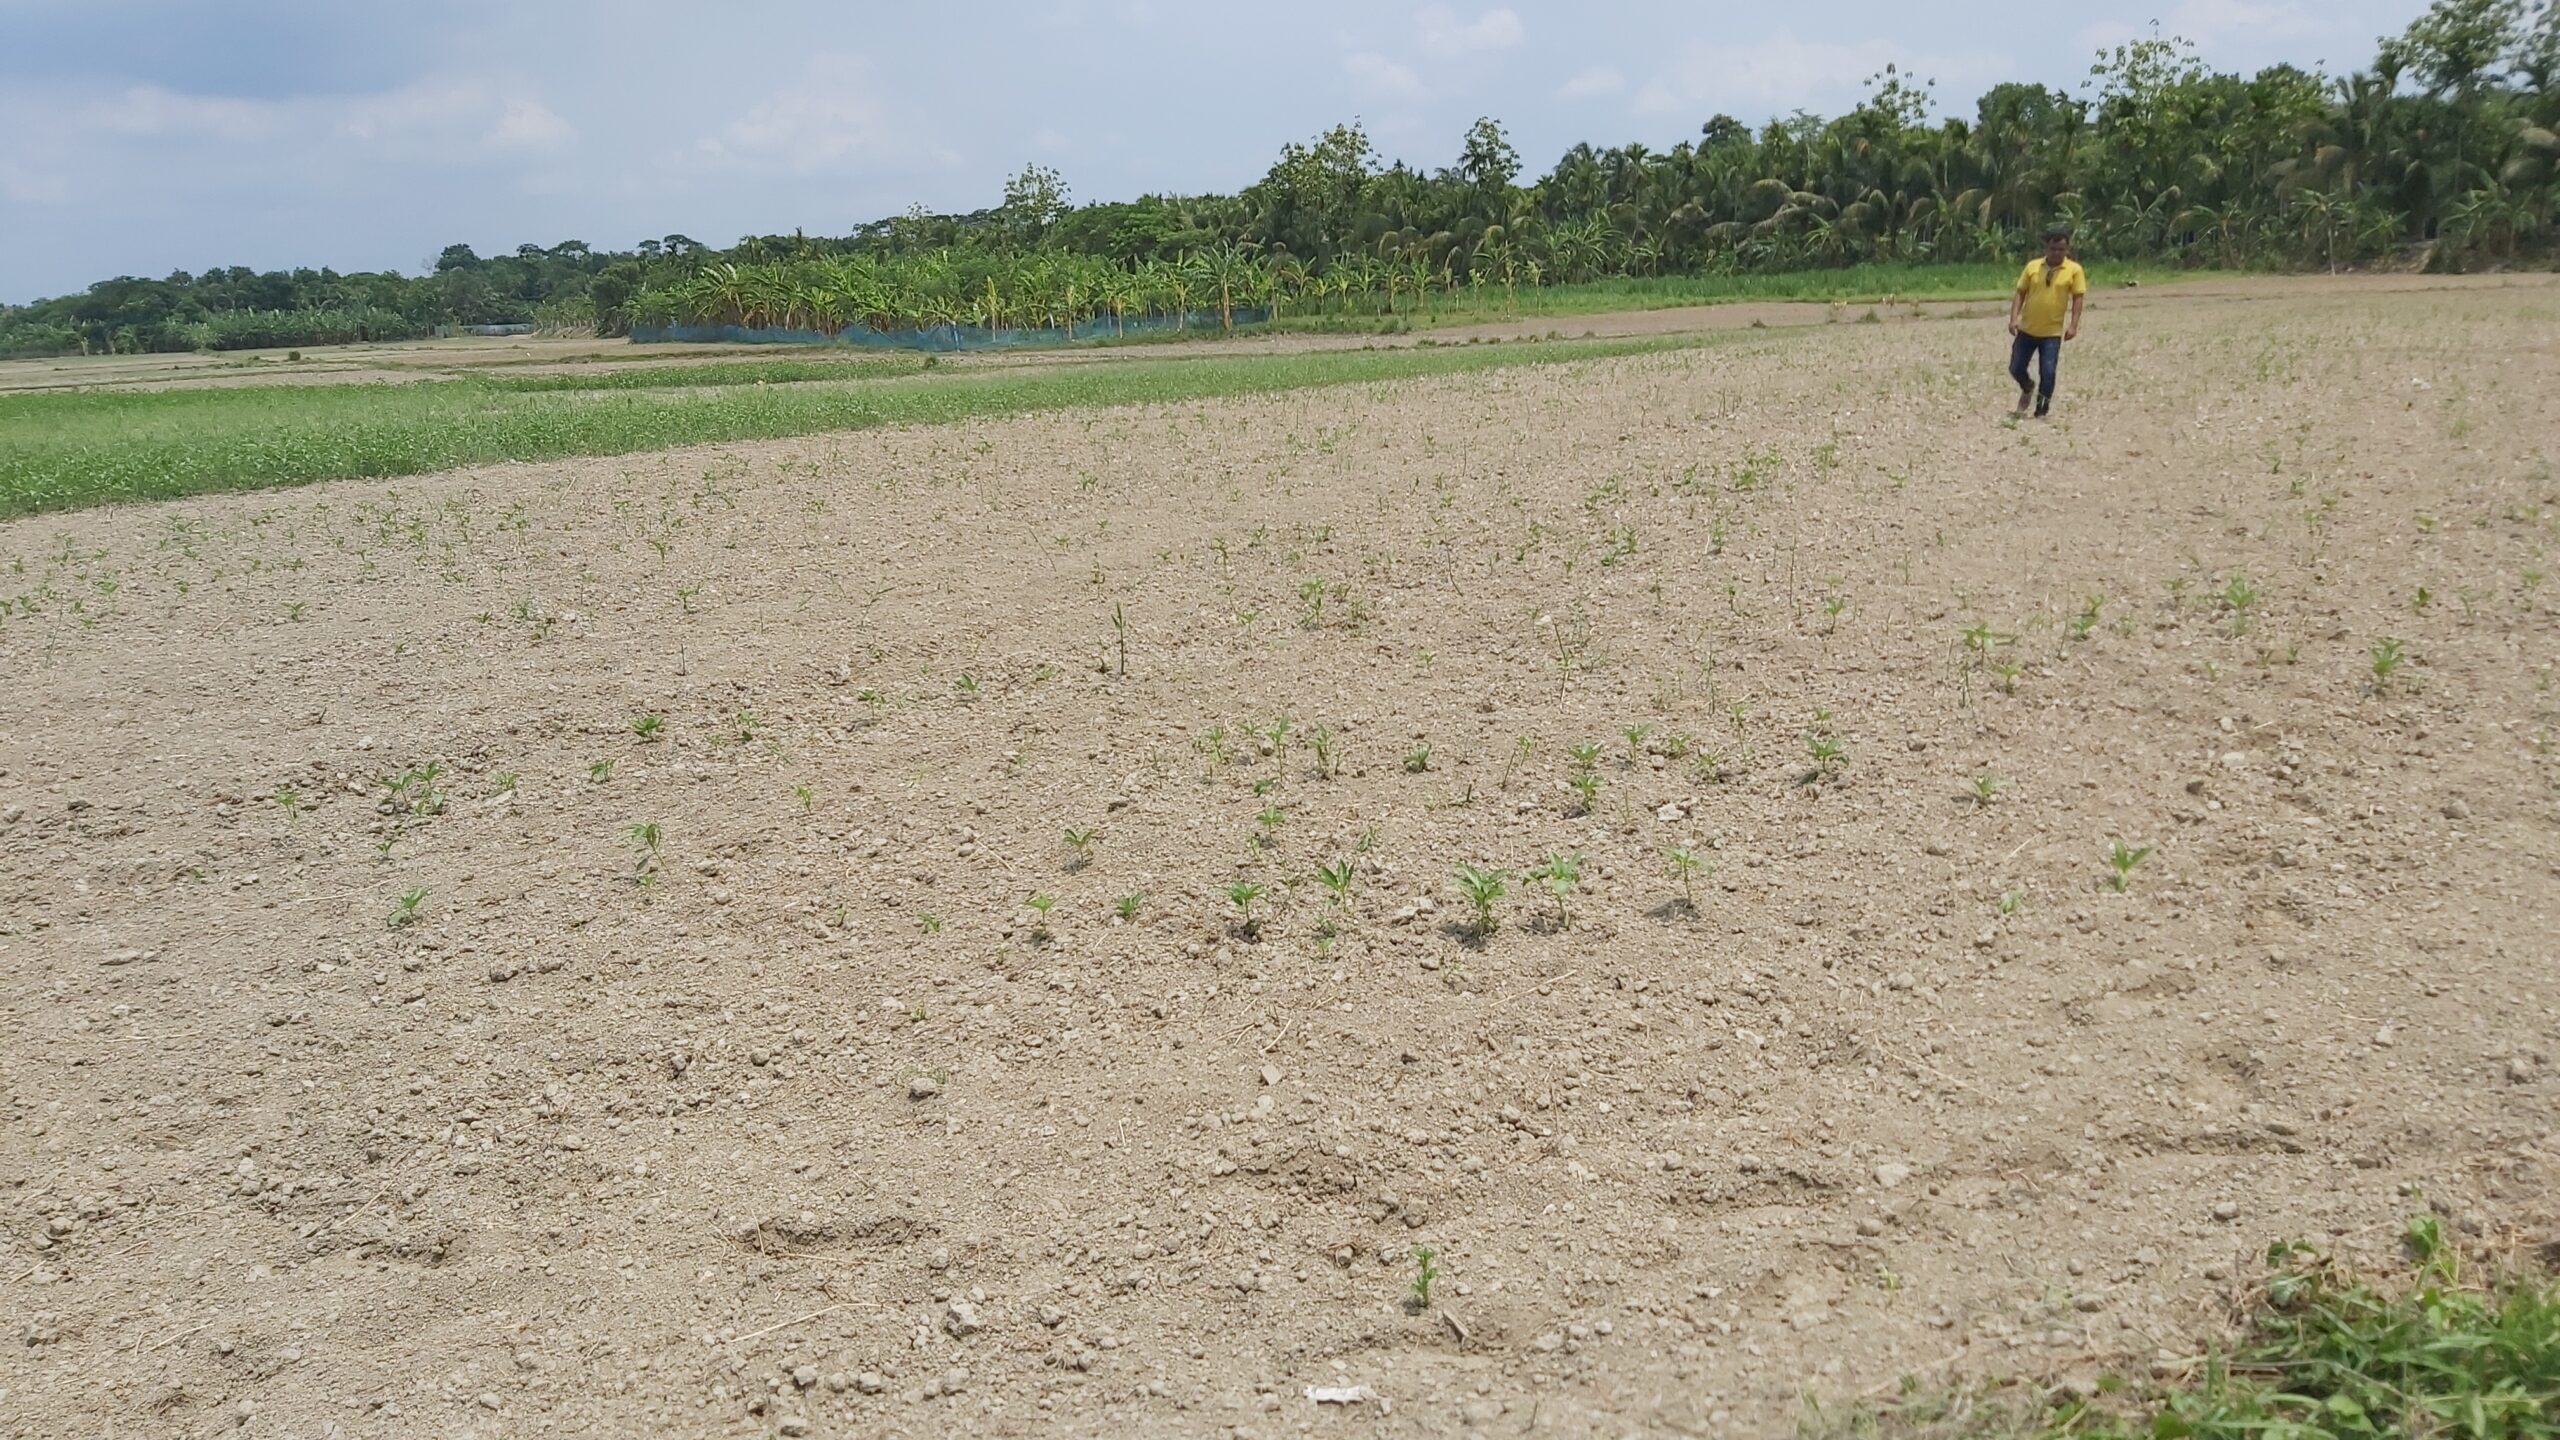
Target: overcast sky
(144,136)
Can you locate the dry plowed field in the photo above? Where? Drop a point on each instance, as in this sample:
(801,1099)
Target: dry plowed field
(373,1068)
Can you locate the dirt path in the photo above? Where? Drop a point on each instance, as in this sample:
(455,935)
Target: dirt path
(824,1129)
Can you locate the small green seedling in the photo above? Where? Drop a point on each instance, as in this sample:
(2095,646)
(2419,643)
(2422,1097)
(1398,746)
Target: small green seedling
(1336,879)
(2386,658)
(1984,787)
(2087,619)
(1241,895)
(648,725)
(1482,887)
(504,782)
(1685,866)
(1521,746)
(287,798)
(928,922)
(1328,757)
(807,797)
(2121,859)
(1425,1270)
(1562,873)
(1040,905)
(1120,634)
(1126,907)
(1417,759)
(600,771)
(1586,789)
(1825,751)
(645,835)
(1635,742)
(966,687)
(1081,842)
(404,911)
(1586,756)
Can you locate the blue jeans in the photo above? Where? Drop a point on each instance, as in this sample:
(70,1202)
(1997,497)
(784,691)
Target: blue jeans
(2046,351)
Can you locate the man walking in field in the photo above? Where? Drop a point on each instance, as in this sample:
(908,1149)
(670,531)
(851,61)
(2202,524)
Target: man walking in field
(2044,311)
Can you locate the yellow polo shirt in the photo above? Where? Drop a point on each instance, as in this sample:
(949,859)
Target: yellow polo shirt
(2049,297)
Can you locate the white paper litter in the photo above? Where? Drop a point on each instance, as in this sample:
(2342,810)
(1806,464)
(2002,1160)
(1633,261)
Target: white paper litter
(1342,1394)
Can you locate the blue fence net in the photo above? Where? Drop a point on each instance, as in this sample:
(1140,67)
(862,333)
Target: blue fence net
(943,337)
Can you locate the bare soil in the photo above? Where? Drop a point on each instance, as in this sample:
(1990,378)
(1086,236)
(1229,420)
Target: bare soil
(824,1130)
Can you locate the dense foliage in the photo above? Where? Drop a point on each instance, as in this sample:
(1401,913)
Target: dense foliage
(2443,149)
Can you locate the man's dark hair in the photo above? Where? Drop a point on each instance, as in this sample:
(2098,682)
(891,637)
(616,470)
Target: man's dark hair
(2056,232)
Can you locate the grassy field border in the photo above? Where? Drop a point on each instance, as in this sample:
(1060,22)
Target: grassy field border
(69,450)
(2323,1353)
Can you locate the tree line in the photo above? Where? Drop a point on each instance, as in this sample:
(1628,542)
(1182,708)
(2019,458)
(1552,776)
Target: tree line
(2442,151)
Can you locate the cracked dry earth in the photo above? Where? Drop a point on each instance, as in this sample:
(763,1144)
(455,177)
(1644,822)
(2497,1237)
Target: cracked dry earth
(824,1130)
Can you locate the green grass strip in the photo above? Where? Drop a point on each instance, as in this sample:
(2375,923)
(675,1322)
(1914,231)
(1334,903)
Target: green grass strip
(60,451)
(716,373)
(2327,1355)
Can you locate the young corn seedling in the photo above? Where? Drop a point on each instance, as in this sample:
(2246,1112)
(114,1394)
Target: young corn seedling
(1521,746)
(404,911)
(645,835)
(1425,1270)
(1276,735)
(926,921)
(1984,787)
(1635,743)
(1269,823)
(1561,872)
(1080,844)
(503,783)
(2121,858)
(648,725)
(1241,895)
(288,799)
(1677,745)
(2386,658)
(1827,756)
(1586,790)
(1126,907)
(1120,634)
(1336,879)
(1482,887)
(807,797)
(2087,618)
(1417,759)
(600,771)
(1685,866)
(1040,905)
(2237,597)
(1328,756)
(1586,756)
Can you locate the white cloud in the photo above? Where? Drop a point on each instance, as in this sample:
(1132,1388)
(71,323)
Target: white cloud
(827,121)
(1784,73)
(1444,33)
(530,125)
(1590,84)
(148,110)
(2214,23)
(1375,73)
(24,184)
(818,123)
